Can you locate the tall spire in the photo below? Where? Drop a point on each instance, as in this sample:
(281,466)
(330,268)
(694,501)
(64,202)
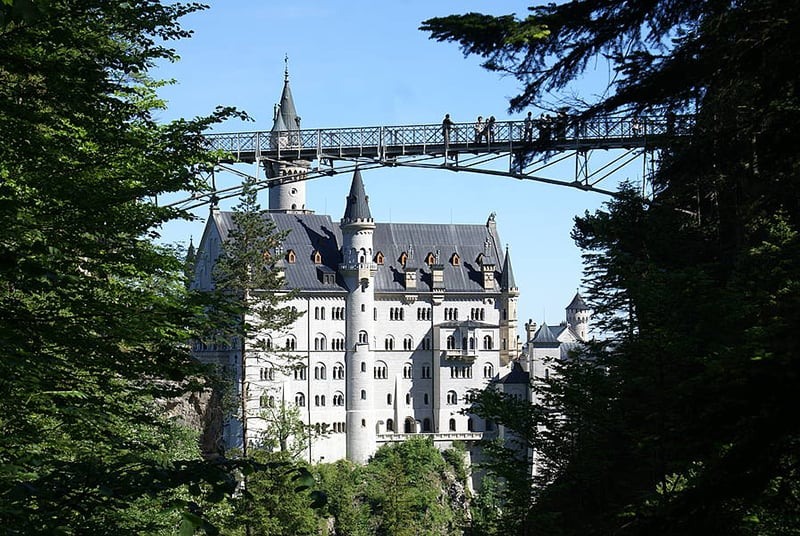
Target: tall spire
(357,202)
(286,108)
(508,282)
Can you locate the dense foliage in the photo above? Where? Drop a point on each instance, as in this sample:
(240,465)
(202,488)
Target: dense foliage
(691,428)
(94,316)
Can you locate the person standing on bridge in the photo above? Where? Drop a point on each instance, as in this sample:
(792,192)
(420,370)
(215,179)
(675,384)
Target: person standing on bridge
(479,126)
(447,125)
(528,124)
(490,128)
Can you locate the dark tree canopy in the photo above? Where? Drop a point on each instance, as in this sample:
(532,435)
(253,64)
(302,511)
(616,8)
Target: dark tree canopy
(692,428)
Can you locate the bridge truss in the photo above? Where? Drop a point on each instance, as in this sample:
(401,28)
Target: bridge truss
(510,149)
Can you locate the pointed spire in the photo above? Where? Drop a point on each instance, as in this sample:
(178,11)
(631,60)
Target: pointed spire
(508,282)
(286,110)
(357,202)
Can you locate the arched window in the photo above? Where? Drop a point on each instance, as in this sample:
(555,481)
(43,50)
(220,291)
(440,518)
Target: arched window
(320,343)
(267,401)
(426,425)
(363,366)
(338,371)
(300,400)
(291,257)
(320,372)
(316,313)
(267,373)
(290,343)
(389,425)
(451,342)
(408,343)
(488,370)
(469,424)
(338,398)
(379,258)
(408,399)
(407,371)
(363,394)
(452,397)
(452,425)
(300,372)
(472,343)
(426,371)
(464,343)
(487,342)
(380,372)
(388,343)
(389,399)
(317,257)
(425,399)
(408,426)
(362,337)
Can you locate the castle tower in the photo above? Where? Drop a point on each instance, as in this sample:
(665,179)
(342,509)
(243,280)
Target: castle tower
(579,316)
(358,271)
(288,196)
(509,295)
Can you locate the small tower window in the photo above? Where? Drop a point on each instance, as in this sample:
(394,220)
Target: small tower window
(316,257)
(455,260)
(479,258)
(291,257)
(403,258)
(430,258)
(379,258)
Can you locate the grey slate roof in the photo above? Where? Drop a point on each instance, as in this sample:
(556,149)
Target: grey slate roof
(311,231)
(287,110)
(357,207)
(517,375)
(546,335)
(578,303)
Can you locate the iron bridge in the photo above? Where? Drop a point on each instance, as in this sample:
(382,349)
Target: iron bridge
(529,150)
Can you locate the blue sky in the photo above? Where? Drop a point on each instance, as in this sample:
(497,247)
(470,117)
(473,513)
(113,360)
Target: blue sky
(365,63)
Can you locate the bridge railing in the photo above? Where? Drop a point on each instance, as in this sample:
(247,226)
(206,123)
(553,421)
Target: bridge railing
(375,141)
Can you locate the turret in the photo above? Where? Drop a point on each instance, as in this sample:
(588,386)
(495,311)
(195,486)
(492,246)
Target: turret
(509,294)
(358,272)
(579,317)
(289,196)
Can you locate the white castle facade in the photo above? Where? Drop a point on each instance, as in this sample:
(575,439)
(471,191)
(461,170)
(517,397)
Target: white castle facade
(399,323)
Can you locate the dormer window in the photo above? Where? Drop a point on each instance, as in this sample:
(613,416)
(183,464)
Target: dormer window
(403,258)
(479,259)
(430,258)
(316,257)
(379,258)
(291,257)
(455,260)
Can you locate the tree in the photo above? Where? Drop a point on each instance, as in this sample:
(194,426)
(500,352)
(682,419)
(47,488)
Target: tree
(94,316)
(248,295)
(696,287)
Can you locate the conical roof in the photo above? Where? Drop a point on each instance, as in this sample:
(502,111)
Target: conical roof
(507,282)
(578,303)
(357,207)
(545,335)
(287,111)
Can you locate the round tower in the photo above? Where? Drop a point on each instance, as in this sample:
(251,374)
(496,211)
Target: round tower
(287,195)
(579,317)
(358,271)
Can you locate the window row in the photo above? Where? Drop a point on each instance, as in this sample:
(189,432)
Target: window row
(461,372)
(469,343)
(337,313)
(424,313)
(477,313)
(396,313)
(450,313)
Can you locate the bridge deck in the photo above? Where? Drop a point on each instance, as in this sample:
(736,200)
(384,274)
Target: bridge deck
(388,142)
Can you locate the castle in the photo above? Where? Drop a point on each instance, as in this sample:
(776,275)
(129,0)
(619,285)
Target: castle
(399,322)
